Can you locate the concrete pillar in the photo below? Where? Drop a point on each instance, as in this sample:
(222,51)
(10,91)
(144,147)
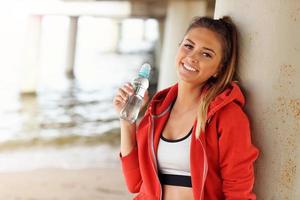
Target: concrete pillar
(270,72)
(29,75)
(144,30)
(179,15)
(110,35)
(158,46)
(118,35)
(71,46)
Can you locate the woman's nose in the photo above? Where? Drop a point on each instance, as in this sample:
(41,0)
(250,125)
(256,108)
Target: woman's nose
(192,57)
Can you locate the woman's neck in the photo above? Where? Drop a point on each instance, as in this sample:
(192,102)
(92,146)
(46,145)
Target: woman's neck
(188,97)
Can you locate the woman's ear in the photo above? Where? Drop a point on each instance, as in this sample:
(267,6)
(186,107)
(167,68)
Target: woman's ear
(217,73)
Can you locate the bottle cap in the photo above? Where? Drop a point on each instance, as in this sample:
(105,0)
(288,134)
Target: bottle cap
(145,70)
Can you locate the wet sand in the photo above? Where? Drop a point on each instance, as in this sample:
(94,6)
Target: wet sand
(64,184)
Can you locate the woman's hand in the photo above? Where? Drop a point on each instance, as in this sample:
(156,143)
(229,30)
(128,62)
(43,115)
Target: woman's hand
(128,130)
(123,94)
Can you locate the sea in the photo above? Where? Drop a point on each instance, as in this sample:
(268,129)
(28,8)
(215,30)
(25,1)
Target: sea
(68,123)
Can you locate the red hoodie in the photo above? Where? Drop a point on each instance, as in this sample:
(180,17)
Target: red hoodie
(221,159)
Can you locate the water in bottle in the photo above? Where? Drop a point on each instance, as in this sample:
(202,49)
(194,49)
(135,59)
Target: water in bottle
(133,105)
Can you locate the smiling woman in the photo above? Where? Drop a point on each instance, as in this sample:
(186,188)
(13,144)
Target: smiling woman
(199,55)
(194,140)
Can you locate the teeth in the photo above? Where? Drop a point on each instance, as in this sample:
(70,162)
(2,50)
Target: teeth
(189,68)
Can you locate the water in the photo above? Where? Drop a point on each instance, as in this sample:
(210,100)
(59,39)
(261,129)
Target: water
(69,123)
(72,125)
(79,112)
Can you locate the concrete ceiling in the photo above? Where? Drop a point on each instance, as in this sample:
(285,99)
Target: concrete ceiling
(139,8)
(116,8)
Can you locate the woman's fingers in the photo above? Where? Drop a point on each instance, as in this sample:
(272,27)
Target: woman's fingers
(118,100)
(129,88)
(122,96)
(125,91)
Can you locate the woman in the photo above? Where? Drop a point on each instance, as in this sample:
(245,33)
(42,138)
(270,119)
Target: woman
(194,140)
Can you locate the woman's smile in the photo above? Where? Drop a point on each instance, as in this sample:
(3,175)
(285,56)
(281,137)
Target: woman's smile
(189,67)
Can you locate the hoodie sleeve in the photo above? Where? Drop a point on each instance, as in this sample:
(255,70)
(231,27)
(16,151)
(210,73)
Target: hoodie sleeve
(236,154)
(130,165)
(131,171)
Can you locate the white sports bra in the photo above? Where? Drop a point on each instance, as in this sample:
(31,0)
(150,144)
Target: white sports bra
(174,161)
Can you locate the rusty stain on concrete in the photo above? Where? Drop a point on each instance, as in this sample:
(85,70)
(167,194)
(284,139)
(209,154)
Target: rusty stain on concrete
(287,70)
(288,173)
(295,14)
(294,105)
(287,110)
(282,108)
(285,77)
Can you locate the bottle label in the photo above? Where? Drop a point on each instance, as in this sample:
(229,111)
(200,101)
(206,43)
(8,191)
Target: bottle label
(138,90)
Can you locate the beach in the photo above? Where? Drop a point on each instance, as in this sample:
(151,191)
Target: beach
(89,172)
(63,184)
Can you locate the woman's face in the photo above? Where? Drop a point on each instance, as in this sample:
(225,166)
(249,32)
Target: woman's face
(199,56)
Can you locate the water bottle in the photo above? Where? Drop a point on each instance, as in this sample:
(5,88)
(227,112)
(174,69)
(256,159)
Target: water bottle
(133,105)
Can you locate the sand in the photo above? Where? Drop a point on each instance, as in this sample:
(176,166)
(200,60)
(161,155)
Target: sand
(64,184)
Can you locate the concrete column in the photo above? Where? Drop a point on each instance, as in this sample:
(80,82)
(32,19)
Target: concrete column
(179,15)
(158,44)
(270,73)
(118,35)
(71,46)
(161,27)
(29,75)
(110,35)
(144,30)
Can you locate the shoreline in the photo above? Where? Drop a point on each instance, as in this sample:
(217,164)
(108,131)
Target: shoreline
(72,157)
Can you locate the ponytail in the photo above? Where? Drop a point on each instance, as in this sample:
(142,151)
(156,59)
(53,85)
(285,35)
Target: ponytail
(227,71)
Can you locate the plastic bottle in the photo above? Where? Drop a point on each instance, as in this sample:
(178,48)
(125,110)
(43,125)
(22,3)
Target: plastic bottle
(133,105)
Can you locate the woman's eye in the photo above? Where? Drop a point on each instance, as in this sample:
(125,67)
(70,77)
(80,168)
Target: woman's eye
(188,46)
(206,55)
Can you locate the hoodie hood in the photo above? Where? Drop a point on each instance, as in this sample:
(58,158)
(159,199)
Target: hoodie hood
(163,99)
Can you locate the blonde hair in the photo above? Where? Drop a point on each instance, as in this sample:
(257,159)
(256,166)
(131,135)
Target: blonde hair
(227,72)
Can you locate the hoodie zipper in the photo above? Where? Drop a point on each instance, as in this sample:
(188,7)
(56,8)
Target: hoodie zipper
(205,169)
(154,163)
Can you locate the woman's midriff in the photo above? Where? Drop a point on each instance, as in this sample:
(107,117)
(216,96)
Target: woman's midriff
(177,193)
